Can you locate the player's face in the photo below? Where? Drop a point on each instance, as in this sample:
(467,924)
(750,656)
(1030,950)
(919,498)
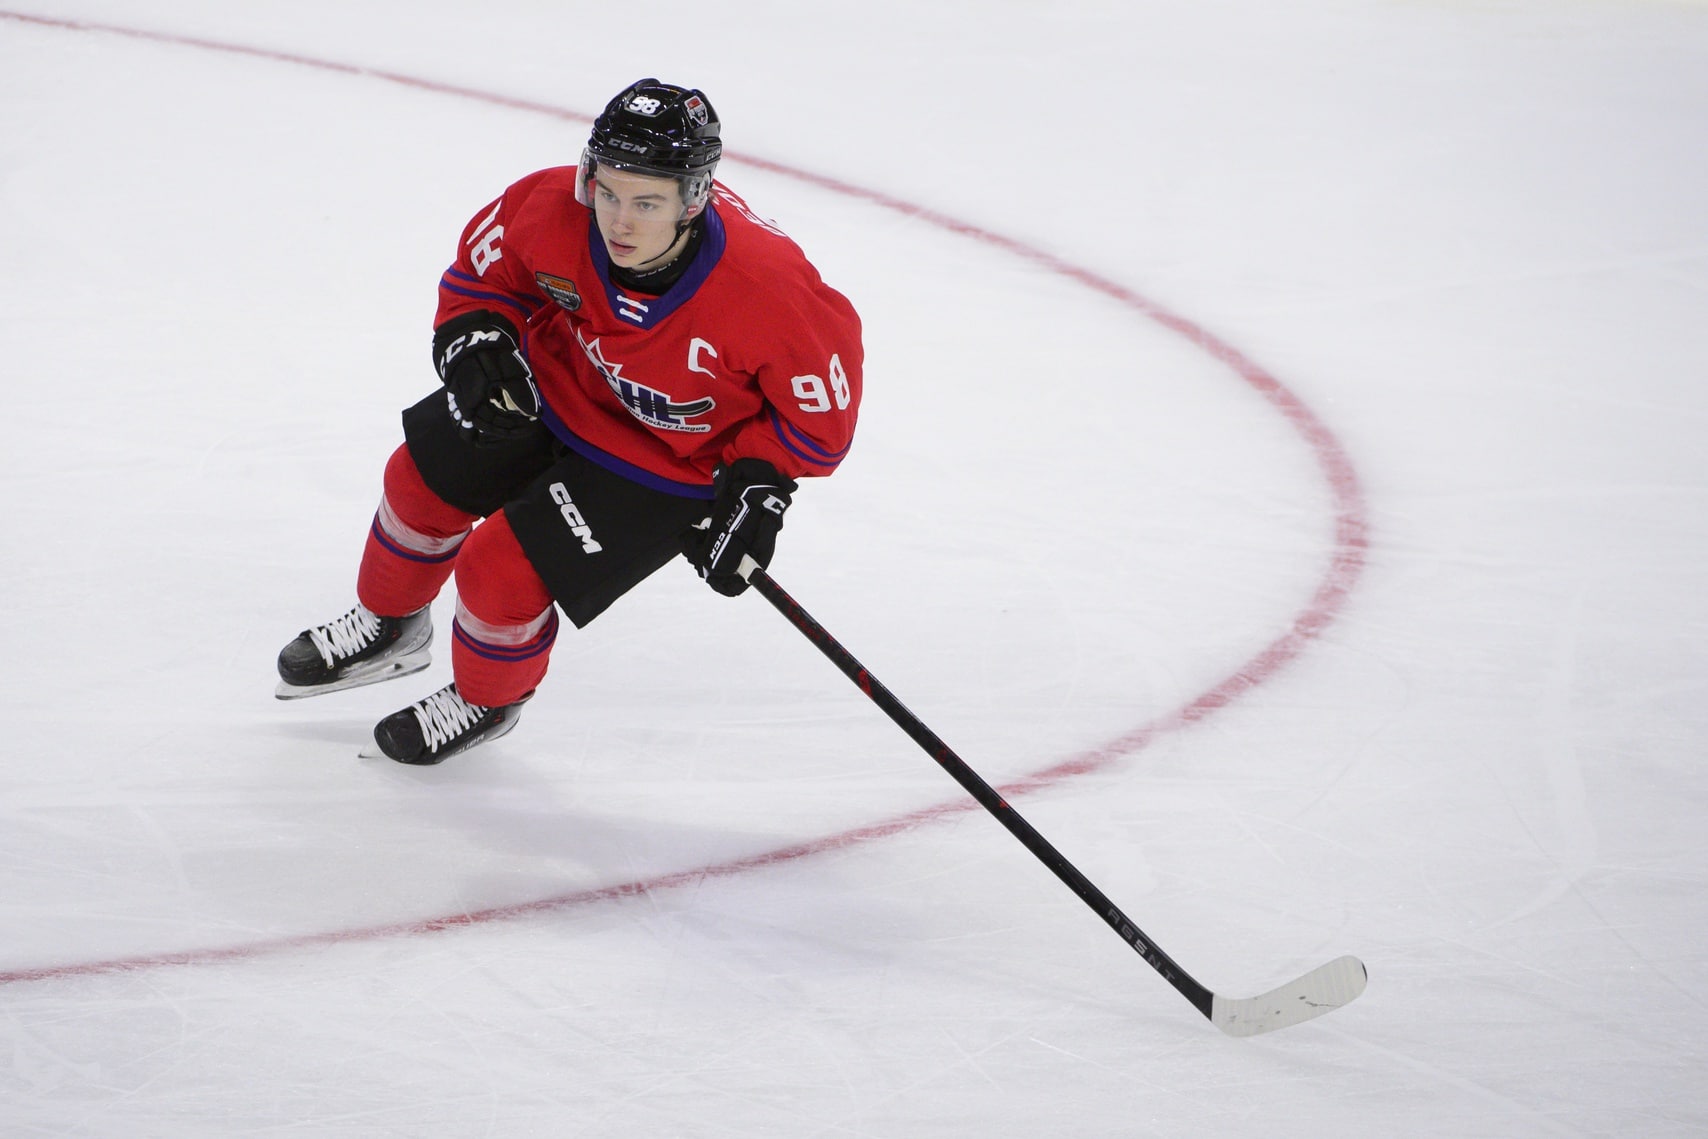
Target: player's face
(637,215)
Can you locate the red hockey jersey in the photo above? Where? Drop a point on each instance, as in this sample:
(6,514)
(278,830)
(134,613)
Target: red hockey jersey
(749,354)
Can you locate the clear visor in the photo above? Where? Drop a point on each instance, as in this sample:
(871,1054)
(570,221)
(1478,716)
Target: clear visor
(695,187)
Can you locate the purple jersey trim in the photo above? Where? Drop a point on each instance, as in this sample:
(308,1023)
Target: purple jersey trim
(454,282)
(617,466)
(798,445)
(647,312)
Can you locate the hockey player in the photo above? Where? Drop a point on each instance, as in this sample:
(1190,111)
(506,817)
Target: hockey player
(633,366)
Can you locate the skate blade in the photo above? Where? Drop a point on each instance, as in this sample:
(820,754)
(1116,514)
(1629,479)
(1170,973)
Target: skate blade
(390,670)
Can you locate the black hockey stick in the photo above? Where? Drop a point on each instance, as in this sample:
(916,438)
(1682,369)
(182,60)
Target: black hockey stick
(1321,990)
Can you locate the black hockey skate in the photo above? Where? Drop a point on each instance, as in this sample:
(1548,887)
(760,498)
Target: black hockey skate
(358,648)
(438,727)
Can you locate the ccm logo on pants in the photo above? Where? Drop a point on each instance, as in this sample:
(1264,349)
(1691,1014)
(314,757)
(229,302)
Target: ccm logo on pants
(572,515)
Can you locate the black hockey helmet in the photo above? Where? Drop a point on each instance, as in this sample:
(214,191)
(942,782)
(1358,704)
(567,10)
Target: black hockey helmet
(655,128)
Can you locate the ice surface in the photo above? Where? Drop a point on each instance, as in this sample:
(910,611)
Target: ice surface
(1445,710)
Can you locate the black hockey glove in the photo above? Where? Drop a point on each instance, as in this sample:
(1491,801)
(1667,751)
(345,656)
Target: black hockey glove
(747,512)
(491,388)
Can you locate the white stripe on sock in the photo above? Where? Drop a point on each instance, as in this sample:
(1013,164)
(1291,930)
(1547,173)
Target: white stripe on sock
(501,634)
(411,539)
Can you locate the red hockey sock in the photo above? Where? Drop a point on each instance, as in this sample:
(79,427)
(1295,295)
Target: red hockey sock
(412,545)
(506,625)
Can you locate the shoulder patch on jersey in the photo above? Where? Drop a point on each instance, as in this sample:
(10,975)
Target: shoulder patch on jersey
(560,289)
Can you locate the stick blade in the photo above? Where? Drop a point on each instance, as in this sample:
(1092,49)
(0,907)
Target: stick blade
(1323,989)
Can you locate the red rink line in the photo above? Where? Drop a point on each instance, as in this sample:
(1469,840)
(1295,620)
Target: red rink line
(1344,568)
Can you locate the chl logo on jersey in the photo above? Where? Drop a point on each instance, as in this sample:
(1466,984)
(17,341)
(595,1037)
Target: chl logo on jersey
(559,289)
(650,406)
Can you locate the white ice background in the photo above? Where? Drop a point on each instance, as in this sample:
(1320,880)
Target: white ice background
(1470,237)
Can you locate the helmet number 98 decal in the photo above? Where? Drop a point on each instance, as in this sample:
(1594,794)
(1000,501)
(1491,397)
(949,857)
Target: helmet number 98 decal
(816,396)
(644,105)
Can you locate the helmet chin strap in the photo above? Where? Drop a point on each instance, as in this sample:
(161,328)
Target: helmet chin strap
(668,257)
(689,213)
